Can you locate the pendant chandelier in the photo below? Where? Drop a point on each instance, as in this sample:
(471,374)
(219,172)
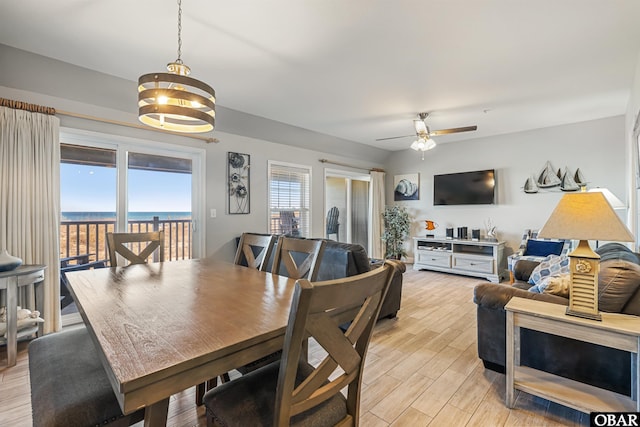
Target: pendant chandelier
(174,101)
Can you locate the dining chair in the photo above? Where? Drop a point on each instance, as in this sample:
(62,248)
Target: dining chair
(298,258)
(294,392)
(254,250)
(69,386)
(123,244)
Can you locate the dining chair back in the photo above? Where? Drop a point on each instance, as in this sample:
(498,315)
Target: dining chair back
(255,250)
(124,244)
(303,394)
(298,258)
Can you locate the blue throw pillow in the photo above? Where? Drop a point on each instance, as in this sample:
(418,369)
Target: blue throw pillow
(553,265)
(543,247)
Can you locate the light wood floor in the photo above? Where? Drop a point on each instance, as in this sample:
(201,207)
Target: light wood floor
(422,369)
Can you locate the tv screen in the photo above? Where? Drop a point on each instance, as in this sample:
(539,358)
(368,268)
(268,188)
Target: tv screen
(465,188)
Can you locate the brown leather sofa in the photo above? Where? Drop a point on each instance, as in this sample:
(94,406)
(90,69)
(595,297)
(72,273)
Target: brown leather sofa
(589,363)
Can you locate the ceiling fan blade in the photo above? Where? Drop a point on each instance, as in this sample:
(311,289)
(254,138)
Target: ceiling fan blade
(454,130)
(394,137)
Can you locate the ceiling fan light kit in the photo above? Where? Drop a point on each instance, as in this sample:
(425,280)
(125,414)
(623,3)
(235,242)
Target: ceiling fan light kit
(424,134)
(173,101)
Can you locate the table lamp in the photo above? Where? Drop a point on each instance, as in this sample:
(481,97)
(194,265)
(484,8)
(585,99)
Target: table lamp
(585,216)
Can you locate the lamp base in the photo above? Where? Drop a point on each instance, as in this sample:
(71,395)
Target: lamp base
(591,316)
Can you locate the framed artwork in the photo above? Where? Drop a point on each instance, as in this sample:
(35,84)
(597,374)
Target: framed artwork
(238,179)
(406,187)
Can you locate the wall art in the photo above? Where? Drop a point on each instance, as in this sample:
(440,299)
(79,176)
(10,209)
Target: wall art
(238,179)
(406,187)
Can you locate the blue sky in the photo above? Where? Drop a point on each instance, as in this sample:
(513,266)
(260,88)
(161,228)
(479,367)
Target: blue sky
(86,188)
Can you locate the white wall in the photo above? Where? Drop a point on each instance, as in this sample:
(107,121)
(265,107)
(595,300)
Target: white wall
(632,115)
(40,80)
(596,147)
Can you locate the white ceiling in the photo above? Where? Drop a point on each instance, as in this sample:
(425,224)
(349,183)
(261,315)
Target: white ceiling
(361,69)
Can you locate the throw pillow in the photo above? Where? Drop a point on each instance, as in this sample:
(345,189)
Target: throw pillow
(616,250)
(543,247)
(554,285)
(618,280)
(557,285)
(552,265)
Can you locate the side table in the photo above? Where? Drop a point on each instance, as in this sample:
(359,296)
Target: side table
(615,330)
(11,281)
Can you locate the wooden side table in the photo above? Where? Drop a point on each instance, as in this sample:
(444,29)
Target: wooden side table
(11,281)
(615,330)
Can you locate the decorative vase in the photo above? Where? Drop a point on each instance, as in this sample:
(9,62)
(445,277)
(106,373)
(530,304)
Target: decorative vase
(8,262)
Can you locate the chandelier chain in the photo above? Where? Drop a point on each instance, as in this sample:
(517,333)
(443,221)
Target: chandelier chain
(179,61)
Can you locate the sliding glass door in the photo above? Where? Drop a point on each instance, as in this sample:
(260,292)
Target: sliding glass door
(109,184)
(349,193)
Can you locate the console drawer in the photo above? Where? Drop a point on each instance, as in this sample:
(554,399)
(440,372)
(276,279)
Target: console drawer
(433,258)
(473,263)
(31,278)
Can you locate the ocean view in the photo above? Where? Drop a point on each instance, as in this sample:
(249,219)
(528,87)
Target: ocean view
(111,216)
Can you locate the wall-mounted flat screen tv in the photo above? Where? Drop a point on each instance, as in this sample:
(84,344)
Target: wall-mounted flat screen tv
(465,188)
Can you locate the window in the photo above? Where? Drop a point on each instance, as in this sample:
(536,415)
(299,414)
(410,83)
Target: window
(289,199)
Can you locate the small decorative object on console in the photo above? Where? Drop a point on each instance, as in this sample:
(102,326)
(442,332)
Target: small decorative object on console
(9,262)
(449,233)
(430,226)
(491,230)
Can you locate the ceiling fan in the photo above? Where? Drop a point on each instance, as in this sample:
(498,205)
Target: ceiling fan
(424,134)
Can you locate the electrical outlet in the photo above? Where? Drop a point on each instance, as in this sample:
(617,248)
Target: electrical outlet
(213,213)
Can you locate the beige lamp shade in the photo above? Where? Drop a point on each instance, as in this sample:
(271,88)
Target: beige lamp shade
(585,216)
(613,200)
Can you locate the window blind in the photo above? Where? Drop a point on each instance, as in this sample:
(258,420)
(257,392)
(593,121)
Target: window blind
(289,199)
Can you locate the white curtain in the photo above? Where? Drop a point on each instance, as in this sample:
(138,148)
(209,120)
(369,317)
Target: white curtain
(377,202)
(30,197)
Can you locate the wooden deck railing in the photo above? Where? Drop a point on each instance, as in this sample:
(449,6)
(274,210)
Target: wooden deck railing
(89,237)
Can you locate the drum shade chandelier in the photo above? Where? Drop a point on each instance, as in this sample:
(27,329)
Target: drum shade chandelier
(173,101)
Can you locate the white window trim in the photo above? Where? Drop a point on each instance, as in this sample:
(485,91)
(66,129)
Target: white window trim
(271,163)
(122,145)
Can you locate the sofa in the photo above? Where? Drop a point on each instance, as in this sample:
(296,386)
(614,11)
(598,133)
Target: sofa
(604,367)
(347,259)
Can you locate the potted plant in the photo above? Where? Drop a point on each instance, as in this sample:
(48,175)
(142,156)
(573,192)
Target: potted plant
(396,230)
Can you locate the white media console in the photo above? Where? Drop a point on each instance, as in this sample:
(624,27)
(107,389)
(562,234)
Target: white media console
(482,258)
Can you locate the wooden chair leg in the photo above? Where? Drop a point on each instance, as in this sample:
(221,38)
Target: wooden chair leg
(200,390)
(511,278)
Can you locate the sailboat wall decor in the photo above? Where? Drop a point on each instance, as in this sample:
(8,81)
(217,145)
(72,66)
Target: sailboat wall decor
(530,186)
(568,183)
(548,177)
(552,179)
(579,178)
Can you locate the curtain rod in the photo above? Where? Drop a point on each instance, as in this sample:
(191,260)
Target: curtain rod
(135,126)
(34,108)
(350,166)
(19,105)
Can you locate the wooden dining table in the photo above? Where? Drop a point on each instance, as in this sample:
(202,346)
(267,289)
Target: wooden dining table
(162,328)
